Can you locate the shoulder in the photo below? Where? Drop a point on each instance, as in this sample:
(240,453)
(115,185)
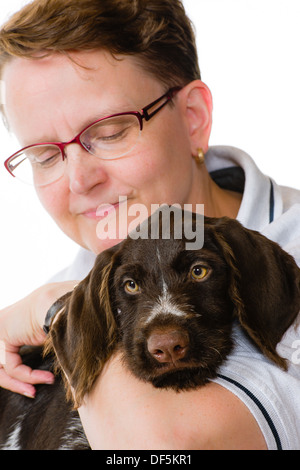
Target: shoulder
(285,229)
(78,269)
(290,197)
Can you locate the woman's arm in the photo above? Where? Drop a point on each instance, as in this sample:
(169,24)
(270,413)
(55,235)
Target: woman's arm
(124,413)
(22,323)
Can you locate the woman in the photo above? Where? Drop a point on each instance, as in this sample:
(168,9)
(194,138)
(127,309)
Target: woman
(67,65)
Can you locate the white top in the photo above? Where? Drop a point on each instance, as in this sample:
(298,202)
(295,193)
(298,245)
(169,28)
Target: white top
(272,395)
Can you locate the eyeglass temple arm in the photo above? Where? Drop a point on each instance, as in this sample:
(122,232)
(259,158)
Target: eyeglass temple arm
(10,167)
(169,95)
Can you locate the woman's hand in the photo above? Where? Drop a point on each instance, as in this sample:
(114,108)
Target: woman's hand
(20,324)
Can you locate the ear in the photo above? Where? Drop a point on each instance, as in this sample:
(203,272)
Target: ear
(84,334)
(265,285)
(197,103)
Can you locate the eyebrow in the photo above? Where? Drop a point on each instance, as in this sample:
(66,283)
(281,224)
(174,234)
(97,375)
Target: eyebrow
(107,112)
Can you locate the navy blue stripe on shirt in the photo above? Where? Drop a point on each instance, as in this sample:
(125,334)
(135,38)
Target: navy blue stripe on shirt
(260,406)
(272,203)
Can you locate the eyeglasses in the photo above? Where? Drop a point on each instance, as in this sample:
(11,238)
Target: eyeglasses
(108,138)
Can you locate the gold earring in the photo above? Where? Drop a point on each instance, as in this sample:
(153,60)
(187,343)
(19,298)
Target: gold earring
(199,158)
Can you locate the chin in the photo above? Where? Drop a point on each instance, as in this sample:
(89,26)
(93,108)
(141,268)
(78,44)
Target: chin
(97,245)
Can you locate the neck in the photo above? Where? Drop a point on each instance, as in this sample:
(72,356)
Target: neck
(217,202)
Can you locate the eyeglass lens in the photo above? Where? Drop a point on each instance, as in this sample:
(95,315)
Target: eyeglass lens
(109,138)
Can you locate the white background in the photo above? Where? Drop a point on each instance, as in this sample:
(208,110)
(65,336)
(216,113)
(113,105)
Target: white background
(249,53)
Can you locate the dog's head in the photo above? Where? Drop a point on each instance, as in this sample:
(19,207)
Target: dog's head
(170,310)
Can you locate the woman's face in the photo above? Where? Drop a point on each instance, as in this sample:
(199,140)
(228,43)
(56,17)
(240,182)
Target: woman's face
(53,99)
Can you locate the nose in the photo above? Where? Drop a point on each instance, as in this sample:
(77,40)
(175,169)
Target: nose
(83,169)
(168,346)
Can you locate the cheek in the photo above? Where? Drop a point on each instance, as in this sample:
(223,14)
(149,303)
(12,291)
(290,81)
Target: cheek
(142,168)
(161,155)
(156,174)
(54,201)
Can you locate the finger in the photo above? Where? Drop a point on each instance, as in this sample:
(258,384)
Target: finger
(23,373)
(15,385)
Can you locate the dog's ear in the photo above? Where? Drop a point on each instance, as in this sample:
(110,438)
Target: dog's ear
(84,333)
(265,284)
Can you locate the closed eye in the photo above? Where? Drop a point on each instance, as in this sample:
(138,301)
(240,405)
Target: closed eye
(44,157)
(49,161)
(112,136)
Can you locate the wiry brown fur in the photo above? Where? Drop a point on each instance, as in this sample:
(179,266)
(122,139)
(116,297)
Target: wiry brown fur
(266,286)
(252,280)
(85,333)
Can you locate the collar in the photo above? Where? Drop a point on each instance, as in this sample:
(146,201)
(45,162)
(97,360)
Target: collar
(233,169)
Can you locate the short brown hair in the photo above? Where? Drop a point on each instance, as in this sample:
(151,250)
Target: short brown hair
(157,32)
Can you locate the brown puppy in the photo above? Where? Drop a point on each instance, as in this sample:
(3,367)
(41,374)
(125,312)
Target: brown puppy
(169,309)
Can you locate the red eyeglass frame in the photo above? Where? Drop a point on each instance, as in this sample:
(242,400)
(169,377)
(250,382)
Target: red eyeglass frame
(144,114)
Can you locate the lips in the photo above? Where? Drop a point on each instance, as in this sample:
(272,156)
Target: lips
(105,209)
(102,210)
(91,213)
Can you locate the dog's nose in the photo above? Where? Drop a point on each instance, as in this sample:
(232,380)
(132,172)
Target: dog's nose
(168,346)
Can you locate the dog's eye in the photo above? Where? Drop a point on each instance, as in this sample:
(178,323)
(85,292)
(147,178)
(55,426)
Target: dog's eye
(199,272)
(131,287)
